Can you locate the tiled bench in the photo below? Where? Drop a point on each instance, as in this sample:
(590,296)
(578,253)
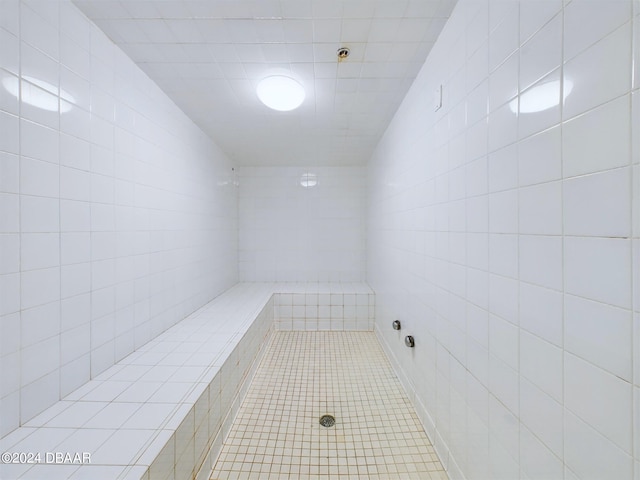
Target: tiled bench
(163,411)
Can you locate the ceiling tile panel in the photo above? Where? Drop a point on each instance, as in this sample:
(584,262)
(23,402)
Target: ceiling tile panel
(300,52)
(209,55)
(355,30)
(298,30)
(326,29)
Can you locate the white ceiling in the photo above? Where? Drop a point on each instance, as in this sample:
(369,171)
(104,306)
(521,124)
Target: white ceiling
(209,55)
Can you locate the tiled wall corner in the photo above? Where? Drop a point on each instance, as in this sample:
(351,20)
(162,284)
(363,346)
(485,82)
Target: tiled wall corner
(324,311)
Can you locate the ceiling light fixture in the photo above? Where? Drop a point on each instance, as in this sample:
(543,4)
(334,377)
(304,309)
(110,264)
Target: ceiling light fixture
(280,93)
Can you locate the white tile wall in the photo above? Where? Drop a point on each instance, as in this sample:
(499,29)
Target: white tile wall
(324,306)
(118,217)
(289,232)
(549,226)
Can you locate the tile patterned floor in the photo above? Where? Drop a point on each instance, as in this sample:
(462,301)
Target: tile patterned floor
(305,375)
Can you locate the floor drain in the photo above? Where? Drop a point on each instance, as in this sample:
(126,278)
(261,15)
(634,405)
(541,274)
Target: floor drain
(327,421)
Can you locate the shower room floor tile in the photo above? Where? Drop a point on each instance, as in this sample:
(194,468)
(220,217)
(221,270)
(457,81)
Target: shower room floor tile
(304,375)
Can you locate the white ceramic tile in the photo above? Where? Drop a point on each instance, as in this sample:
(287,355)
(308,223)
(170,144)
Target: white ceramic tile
(9,102)
(598,204)
(503,255)
(11,407)
(328,208)
(9,51)
(40,30)
(74,40)
(600,334)
(10,253)
(9,173)
(43,147)
(75,248)
(34,367)
(636,51)
(541,312)
(587,22)
(39,250)
(38,395)
(476,108)
(10,370)
(503,212)
(539,209)
(75,121)
(10,327)
(39,287)
(74,152)
(503,428)
(504,40)
(636,418)
(598,140)
(74,216)
(534,16)
(36,67)
(113,416)
(591,89)
(542,53)
(40,323)
(503,82)
(598,268)
(503,169)
(10,140)
(10,293)
(476,139)
(503,127)
(590,454)
(540,260)
(536,460)
(122,446)
(635,123)
(543,415)
(503,381)
(539,105)
(599,398)
(39,214)
(541,363)
(38,178)
(10,16)
(503,341)
(540,157)
(75,279)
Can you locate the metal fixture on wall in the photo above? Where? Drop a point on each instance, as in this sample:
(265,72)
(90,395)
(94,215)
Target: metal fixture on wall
(408,341)
(396,325)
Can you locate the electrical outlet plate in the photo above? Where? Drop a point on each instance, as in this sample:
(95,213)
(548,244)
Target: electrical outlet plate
(437,98)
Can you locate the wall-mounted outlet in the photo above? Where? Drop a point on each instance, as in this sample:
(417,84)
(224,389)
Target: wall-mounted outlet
(437,98)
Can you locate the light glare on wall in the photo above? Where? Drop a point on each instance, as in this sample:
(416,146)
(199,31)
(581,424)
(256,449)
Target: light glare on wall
(38,93)
(308,180)
(541,97)
(280,93)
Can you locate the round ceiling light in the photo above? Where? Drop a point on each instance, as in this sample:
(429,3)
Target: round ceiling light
(280,93)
